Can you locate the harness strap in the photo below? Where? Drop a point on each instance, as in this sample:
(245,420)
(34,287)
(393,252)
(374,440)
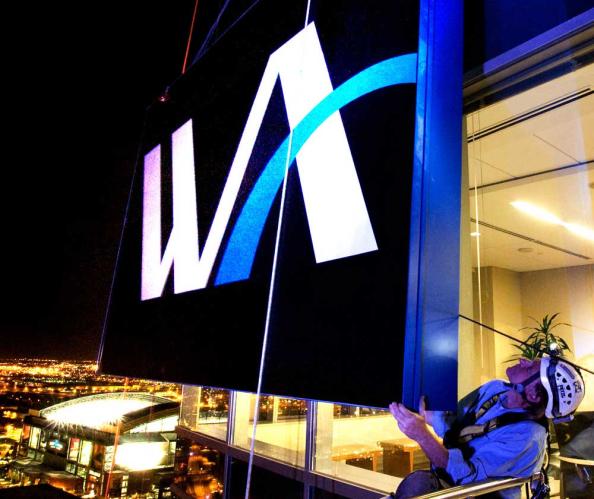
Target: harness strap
(467,429)
(478,430)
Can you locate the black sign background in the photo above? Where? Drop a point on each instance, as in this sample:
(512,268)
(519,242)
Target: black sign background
(337,328)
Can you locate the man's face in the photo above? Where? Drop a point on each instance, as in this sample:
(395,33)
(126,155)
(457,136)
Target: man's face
(522,370)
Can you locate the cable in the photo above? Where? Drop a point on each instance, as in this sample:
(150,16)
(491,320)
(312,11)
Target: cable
(539,350)
(270,297)
(121,240)
(214,26)
(202,51)
(190,37)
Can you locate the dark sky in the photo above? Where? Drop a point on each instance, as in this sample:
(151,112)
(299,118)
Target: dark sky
(77,79)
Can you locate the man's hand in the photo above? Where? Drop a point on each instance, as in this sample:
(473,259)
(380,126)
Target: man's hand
(414,426)
(411,424)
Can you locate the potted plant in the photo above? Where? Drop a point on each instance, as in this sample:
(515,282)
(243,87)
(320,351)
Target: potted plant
(542,340)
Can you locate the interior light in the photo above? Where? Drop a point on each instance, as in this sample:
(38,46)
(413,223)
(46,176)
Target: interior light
(546,216)
(580,230)
(537,212)
(475,234)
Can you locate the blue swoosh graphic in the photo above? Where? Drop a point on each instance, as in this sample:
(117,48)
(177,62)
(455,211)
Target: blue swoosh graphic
(240,252)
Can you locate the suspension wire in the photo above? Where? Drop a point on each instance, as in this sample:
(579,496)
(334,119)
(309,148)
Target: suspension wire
(270,297)
(121,240)
(213,28)
(229,28)
(190,37)
(267,323)
(478,248)
(538,350)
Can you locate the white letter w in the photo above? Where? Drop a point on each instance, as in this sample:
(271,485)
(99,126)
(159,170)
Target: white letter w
(337,216)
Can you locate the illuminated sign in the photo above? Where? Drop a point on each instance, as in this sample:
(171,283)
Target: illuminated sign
(56,444)
(338,219)
(272,200)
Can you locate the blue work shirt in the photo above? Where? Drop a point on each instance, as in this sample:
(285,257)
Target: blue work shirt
(515,450)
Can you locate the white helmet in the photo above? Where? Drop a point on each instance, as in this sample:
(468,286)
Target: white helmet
(564,385)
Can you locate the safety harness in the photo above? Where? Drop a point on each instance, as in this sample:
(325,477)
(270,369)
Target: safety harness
(466,429)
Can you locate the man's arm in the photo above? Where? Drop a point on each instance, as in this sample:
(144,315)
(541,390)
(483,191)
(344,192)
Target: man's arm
(414,426)
(512,451)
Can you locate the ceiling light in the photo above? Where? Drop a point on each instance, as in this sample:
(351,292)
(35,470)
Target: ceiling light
(580,230)
(546,216)
(536,212)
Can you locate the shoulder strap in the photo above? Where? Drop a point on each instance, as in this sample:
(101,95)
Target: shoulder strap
(473,431)
(468,420)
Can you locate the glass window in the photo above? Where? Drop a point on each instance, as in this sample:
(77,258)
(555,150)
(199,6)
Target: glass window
(364,446)
(34,440)
(280,432)
(528,247)
(73,449)
(159,425)
(42,439)
(108,462)
(205,410)
(85,453)
(98,456)
(529,244)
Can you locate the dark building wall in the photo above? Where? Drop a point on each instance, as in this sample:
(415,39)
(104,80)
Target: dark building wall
(492,27)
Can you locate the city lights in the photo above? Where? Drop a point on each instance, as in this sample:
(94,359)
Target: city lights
(140,456)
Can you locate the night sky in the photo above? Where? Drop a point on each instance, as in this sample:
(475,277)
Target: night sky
(77,79)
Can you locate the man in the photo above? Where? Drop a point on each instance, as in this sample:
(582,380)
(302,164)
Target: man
(499,430)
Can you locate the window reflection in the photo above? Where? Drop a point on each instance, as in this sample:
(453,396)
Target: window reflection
(205,410)
(363,445)
(280,432)
(528,249)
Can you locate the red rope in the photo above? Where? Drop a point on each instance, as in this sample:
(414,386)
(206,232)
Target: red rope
(190,37)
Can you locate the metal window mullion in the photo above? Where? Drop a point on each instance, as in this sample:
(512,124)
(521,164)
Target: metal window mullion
(229,441)
(310,448)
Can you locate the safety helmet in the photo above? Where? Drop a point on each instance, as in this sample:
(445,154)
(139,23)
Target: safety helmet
(564,385)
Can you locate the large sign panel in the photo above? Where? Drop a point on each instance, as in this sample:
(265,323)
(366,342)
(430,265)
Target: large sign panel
(267,235)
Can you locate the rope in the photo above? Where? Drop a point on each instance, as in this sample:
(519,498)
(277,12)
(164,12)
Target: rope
(190,37)
(539,350)
(270,296)
(214,26)
(119,250)
(202,52)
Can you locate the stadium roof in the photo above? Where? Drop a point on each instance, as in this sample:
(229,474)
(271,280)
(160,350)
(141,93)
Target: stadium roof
(106,409)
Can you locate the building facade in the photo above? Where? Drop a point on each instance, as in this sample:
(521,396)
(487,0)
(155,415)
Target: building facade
(526,251)
(497,231)
(123,443)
